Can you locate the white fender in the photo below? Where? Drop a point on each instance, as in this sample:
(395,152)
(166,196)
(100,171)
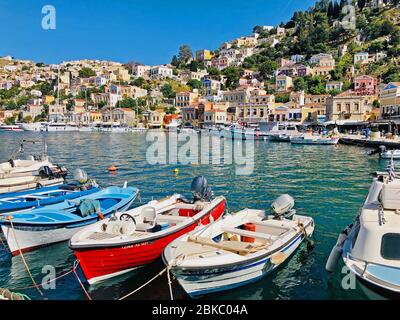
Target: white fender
(333,258)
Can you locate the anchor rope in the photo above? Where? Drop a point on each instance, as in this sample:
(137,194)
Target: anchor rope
(23,259)
(76,263)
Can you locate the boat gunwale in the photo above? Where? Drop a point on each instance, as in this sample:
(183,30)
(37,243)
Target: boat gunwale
(154,237)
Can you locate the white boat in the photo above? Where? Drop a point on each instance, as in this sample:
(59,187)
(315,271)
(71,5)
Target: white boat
(314,139)
(370,246)
(237,250)
(389,154)
(10,128)
(27,183)
(173,126)
(58,127)
(35,126)
(21,164)
(282,132)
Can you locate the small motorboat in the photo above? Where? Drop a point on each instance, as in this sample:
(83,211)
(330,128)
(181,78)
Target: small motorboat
(282,132)
(314,140)
(40,227)
(10,128)
(21,164)
(370,246)
(31,199)
(137,237)
(238,249)
(389,154)
(17,184)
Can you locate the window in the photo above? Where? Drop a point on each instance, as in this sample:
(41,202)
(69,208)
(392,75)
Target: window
(390,247)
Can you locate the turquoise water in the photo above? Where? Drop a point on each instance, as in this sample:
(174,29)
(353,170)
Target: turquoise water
(328,182)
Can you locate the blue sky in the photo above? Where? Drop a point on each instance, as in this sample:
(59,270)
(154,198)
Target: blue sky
(124,30)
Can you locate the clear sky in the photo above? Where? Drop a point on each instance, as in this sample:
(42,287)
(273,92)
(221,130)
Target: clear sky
(149,31)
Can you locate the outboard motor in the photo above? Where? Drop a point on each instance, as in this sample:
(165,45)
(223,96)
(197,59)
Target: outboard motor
(45,172)
(382,149)
(282,207)
(80,176)
(200,189)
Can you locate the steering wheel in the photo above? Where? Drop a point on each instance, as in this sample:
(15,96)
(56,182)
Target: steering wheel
(127,217)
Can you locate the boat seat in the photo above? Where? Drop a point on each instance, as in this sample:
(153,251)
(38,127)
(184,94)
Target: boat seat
(171,219)
(250,234)
(390,196)
(237,247)
(149,215)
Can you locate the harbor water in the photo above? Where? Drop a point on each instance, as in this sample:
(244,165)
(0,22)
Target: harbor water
(328,183)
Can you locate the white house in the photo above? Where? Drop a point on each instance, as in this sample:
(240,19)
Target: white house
(161,72)
(361,57)
(100,81)
(296,58)
(141,71)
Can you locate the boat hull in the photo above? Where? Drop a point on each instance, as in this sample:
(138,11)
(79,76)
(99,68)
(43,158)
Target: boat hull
(200,282)
(33,185)
(315,142)
(102,263)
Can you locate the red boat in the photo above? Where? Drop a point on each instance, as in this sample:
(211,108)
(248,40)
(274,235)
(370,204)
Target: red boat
(137,237)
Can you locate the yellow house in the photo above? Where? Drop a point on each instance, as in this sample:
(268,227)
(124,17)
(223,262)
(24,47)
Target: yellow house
(95,116)
(390,100)
(313,113)
(204,55)
(49,99)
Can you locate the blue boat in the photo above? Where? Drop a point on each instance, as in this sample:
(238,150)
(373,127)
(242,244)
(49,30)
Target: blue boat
(56,223)
(31,199)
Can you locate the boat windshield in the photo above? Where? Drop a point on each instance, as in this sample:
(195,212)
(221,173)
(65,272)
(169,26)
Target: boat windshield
(390,247)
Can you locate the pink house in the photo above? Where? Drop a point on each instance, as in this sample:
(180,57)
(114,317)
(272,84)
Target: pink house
(365,85)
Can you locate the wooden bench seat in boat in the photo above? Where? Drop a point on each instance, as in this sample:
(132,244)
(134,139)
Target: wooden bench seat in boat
(237,247)
(250,234)
(269,227)
(171,219)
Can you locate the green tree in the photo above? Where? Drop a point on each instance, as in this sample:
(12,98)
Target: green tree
(127,103)
(267,69)
(167,91)
(194,66)
(194,84)
(28,119)
(185,54)
(175,61)
(300,84)
(232,76)
(86,73)
(138,82)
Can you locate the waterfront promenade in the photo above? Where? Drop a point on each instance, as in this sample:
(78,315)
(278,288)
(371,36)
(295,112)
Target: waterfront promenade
(373,142)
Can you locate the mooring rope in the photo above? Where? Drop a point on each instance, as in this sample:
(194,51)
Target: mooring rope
(23,258)
(170,283)
(76,263)
(7,294)
(148,282)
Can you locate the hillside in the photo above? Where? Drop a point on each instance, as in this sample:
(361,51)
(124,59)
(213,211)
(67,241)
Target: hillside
(322,29)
